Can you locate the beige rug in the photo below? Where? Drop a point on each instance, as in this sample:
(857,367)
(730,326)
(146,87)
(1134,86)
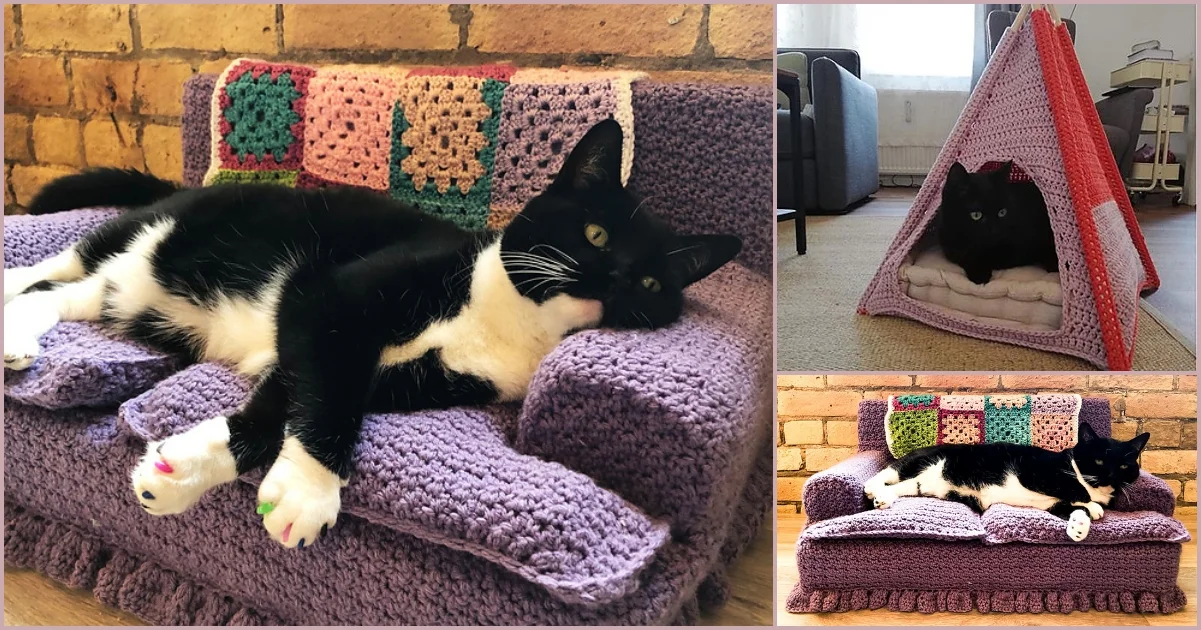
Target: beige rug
(819,330)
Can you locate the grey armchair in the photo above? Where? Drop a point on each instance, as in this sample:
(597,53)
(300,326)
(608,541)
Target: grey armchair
(837,139)
(1121,114)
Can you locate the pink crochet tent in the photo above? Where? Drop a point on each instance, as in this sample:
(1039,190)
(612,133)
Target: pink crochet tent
(1032,106)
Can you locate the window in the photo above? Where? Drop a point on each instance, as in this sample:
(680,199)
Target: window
(901,47)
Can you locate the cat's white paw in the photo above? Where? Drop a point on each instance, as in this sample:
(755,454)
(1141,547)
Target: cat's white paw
(1095,511)
(300,498)
(884,497)
(174,473)
(20,351)
(1077,525)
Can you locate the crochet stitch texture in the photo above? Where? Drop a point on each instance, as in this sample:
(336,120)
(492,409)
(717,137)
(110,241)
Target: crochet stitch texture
(1047,421)
(928,555)
(1032,106)
(617,420)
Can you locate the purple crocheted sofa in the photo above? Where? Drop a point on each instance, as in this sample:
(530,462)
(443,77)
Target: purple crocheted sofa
(929,555)
(635,473)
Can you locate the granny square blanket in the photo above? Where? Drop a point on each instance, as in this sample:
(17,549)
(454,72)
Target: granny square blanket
(472,144)
(917,421)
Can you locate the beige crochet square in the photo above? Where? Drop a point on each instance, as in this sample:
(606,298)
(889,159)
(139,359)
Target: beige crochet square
(444,135)
(1007,402)
(961,428)
(1052,431)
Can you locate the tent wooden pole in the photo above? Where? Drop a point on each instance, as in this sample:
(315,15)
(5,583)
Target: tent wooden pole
(1021,17)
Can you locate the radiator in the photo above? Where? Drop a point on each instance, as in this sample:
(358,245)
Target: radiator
(911,160)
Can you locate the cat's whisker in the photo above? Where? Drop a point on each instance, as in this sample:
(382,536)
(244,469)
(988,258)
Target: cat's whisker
(639,206)
(559,252)
(683,249)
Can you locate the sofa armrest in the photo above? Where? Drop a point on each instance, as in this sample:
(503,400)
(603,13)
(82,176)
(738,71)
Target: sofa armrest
(845,113)
(30,239)
(1147,493)
(838,491)
(670,419)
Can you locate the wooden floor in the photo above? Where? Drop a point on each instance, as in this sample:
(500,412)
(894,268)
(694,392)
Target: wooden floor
(786,577)
(1171,235)
(32,599)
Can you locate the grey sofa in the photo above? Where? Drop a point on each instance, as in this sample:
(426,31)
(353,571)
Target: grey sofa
(837,136)
(1121,114)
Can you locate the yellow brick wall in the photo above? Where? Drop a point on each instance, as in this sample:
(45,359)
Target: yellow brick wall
(815,422)
(100,85)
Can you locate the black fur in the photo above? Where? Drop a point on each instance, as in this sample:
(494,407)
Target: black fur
(1102,462)
(101,187)
(987,223)
(372,272)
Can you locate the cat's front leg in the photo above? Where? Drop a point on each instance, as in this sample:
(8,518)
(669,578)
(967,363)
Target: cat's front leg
(978,274)
(300,497)
(1094,509)
(1077,519)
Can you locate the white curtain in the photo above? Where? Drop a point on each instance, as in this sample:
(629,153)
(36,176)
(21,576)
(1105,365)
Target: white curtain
(901,47)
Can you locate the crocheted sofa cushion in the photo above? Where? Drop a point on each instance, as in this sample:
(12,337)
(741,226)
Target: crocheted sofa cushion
(910,517)
(1007,524)
(1026,298)
(452,478)
(916,421)
(81,365)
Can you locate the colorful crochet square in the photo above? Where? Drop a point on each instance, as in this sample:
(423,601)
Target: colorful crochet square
(960,427)
(545,113)
(260,116)
(1007,419)
(1048,421)
(911,423)
(443,143)
(285,178)
(348,133)
(431,137)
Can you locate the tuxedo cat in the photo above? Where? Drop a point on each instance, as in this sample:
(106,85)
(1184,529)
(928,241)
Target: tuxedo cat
(341,302)
(987,223)
(1074,485)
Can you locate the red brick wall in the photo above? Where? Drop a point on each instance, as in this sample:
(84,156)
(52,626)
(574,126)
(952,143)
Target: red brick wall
(100,85)
(815,423)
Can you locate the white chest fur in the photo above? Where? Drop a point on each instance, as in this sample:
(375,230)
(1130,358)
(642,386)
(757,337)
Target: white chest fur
(499,335)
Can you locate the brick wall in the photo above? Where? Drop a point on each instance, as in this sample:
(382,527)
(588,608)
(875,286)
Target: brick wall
(815,424)
(100,85)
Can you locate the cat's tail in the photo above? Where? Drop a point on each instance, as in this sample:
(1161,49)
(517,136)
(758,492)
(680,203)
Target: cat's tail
(100,188)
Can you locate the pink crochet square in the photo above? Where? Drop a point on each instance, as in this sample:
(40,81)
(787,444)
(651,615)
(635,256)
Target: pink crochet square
(1052,431)
(963,403)
(960,427)
(348,135)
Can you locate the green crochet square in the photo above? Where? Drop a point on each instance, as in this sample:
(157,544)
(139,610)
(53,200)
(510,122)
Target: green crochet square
(1006,424)
(911,400)
(469,211)
(284,178)
(912,429)
(261,115)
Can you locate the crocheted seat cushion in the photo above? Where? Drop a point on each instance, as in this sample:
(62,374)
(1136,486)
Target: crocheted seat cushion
(910,517)
(1007,524)
(1047,421)
(1027,298)
(451,477)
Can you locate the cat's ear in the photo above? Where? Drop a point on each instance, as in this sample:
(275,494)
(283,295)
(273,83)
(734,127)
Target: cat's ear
(1001,175)
(1086,433)
(695,257)
(957,176)
(595,162)
(1139,443)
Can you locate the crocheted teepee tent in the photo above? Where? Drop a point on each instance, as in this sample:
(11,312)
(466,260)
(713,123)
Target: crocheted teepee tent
(1032,106)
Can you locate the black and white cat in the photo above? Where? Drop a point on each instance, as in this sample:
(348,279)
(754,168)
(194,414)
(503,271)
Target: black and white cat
(1075,485)
(342,302)
(987,223)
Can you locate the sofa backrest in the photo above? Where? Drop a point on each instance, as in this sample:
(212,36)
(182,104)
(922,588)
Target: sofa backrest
(1093,411)
(703,156)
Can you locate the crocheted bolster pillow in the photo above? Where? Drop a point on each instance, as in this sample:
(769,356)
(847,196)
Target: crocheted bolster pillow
(917,421)
(1006,524)
(451,477)
(81,364)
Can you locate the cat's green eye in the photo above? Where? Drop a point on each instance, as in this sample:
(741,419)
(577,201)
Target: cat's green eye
(1002,212)
(597,235)
(977,215)
(1100,462)
(650,284)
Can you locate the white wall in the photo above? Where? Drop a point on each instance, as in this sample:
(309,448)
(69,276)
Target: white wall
(1105,33)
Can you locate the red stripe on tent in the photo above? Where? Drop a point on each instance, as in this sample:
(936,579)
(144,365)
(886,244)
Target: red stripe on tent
(1086,180)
